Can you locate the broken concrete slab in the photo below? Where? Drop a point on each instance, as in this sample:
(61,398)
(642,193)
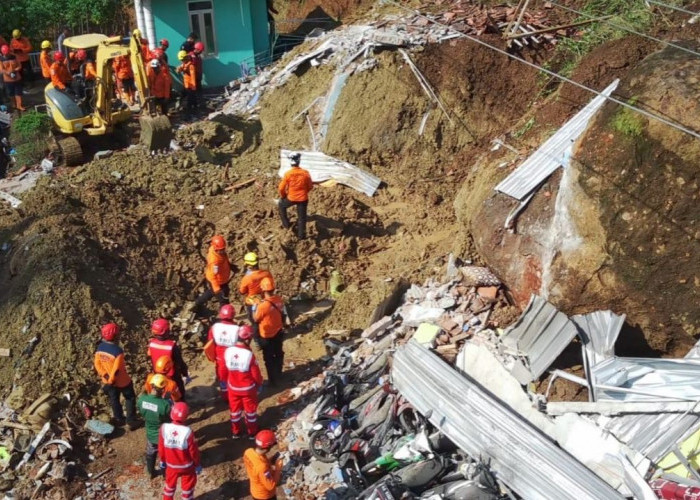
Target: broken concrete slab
(377,328)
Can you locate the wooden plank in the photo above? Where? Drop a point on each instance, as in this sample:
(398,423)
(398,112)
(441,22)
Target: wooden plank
(4,352)
(241,184)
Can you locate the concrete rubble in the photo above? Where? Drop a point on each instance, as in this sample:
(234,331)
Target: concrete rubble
(442,353)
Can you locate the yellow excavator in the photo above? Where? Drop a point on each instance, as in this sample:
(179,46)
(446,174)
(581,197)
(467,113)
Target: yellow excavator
(98,114)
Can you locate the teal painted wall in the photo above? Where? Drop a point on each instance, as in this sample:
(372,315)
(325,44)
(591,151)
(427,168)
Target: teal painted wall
(240,33)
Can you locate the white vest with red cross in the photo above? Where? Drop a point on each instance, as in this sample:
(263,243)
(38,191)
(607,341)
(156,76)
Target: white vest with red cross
(238,363)
(176,441)
(225,335)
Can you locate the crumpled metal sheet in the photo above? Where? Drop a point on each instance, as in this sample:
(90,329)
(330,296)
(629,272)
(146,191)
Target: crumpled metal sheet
(323,167)
(480,424)
(540,334)
(599,331)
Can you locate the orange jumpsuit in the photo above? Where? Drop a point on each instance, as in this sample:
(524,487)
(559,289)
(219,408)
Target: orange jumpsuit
(218,271)
(21,48)
(262,475)
(45,60)
(296,184)
(60,75)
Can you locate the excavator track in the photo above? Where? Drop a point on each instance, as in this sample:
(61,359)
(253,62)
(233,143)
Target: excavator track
(72,151)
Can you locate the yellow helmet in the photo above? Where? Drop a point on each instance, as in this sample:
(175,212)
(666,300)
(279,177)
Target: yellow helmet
(158,381)
(16,33)
(45,44)
(251,258)
(136,33)
(181,55)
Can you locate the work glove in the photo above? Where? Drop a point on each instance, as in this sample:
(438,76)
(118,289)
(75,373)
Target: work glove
(162,466)
(198,470)
(188,379)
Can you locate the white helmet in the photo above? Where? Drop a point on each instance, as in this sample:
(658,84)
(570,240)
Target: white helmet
(155,63)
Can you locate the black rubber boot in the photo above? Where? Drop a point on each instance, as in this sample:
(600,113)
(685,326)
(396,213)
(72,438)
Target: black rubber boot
(151,465)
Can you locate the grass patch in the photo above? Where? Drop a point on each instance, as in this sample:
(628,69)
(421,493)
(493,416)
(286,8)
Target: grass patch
(628,123)
(525,128)
(28,136)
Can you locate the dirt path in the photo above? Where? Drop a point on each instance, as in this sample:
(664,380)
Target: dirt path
(223,476)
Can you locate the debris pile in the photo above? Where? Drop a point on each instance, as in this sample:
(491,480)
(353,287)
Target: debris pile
(441,355)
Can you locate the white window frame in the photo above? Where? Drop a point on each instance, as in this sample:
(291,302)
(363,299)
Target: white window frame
(200,17)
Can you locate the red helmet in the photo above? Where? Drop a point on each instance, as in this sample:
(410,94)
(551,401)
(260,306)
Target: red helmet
(57,56)
(218,242)
(81,55)
(5,49)
(110,331)
(245,332)
(199,47)
(164,43)
(160,327)
(180,412)
(264,439)
(227,312)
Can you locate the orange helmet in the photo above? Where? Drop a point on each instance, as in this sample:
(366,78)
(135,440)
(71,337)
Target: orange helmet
(218,242)
(266,285)
(163,365)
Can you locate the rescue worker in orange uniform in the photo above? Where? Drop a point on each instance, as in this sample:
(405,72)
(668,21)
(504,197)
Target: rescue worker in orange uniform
(217,273)
(11,76)
(73,62)
(270,315)
(244,382)
(45,60)
(159,82)
(85,75)
(189,80)
(196,56)
(264,476)
(163,366)
(162,344)
(164,44)
(222,335)
(125,78)
(179,454)
(110,366)
(294,190)
(250,285)
(22,47)
(60,76)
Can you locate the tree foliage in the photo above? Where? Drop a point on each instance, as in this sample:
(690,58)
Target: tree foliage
(43,19)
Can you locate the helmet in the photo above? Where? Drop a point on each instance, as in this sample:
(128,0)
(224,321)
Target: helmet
(158,381)
(164,43)
(266,285)
(245,332)
(180,412)
(81,55)
(199,47)
(160,327)
(265,439)
(59,56)
(163,365)
(136,33)
(4,50)
(16,33)
(45,44)
(181,55)
(227,312)
(218,242)
(251,258)
(155,63)
(110,331)
(295,158)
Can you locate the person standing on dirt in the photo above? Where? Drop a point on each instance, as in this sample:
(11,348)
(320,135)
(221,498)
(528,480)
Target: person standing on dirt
(270,316)
(171,391)
(159,84)
(244,382)
(163,47)
(294,190)
(217,274)
(110,366)
(189,81)
(45,60)
(155,410)
(196,56)
(22,47)
(262,474)
(222,335)
(12,76)
(125,78)
(250,285)
(179,454)
(162,344)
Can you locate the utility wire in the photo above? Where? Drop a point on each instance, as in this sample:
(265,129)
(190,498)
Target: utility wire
(673,7)
(643,112)
(625,28)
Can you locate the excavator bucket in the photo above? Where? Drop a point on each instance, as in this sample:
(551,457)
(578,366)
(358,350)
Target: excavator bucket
(156,132)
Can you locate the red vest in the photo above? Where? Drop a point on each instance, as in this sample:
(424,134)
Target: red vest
(160,347)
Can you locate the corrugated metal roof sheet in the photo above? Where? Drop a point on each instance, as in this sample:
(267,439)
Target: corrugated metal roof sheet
(599,333)
(484,427)
(323,167)
(540,334)
(553,153)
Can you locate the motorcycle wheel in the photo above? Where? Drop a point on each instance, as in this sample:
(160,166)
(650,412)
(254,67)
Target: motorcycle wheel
(320,446)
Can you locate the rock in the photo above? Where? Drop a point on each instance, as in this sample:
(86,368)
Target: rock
(103,154)
(316,471)
(99,427)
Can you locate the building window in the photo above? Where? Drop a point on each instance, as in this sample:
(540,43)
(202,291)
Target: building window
(202,22)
